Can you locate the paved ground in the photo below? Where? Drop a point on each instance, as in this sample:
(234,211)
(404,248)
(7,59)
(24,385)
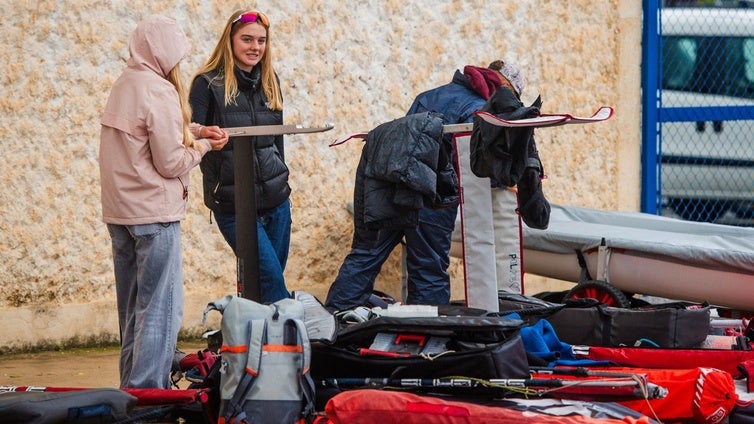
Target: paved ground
(91,367)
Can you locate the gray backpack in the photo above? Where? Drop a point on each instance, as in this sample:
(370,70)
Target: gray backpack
(265,354)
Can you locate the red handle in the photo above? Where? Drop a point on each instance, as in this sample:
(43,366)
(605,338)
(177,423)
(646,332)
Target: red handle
(417,338)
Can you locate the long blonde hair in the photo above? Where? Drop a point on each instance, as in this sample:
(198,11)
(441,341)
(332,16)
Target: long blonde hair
(222,59)
(174,76)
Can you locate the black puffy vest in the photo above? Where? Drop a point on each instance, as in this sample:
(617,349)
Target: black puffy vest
(250,108)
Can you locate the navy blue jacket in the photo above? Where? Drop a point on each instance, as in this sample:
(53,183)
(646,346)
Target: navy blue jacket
(456,100)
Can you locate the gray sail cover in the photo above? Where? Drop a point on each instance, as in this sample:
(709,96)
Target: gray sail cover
(704,245)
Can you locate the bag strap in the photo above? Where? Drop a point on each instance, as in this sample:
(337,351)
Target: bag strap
(305,379)
(585,276)
(307,388)
(257,337)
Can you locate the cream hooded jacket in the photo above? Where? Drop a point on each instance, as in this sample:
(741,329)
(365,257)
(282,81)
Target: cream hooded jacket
(144,165)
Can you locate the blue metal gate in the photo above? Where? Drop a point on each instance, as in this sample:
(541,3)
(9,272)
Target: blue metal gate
(698,110)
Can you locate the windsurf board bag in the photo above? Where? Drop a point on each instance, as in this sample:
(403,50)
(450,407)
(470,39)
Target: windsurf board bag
(265,354)
(395,407)
(75,406)
(669,325)
(423,347)
(730,361)
(699,395)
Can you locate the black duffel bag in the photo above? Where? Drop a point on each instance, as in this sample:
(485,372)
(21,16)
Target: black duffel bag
(668,325)
(485,347)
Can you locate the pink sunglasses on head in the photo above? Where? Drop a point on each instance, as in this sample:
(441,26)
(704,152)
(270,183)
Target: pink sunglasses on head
(252,16)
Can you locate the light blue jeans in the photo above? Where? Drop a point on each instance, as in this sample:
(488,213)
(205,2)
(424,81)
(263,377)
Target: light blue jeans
(274,239)
(149,289)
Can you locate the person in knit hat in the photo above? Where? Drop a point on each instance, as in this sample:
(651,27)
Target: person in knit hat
(427,246)
(514,188)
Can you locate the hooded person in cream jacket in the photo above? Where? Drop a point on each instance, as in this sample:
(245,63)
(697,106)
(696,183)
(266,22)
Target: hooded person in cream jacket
(147,148)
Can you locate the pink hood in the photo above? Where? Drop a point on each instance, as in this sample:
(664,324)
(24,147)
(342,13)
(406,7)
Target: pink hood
(158,44)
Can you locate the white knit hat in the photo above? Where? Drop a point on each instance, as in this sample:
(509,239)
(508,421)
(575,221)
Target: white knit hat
(512,73)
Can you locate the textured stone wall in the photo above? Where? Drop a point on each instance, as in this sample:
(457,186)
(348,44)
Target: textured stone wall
(355,64)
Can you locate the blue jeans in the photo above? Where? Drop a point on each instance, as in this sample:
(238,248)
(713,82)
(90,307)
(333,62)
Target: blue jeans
(149,289)
(274,239)
(427,261)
